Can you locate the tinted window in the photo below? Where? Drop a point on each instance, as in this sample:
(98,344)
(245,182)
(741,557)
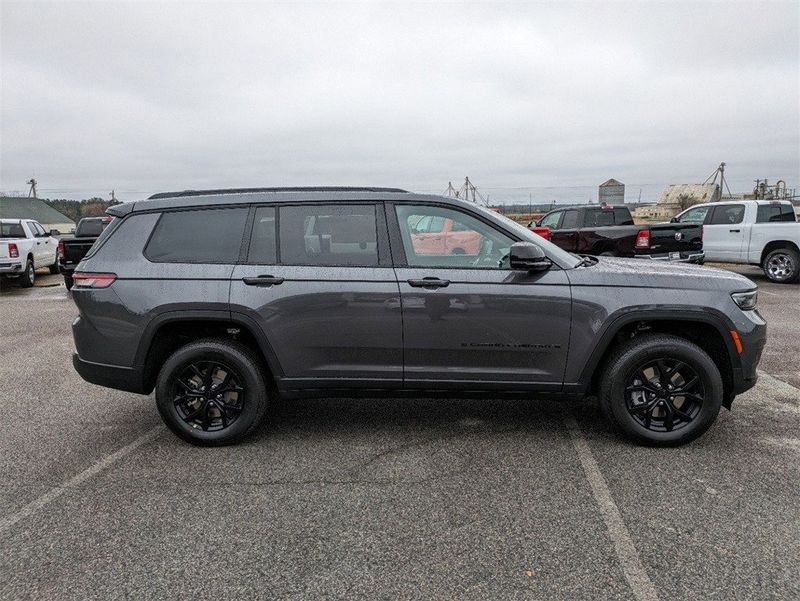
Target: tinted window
(343,235)
(696,215)
(551,220)
(11,230)
(727,215)
(775,213)
(201,236)
(90,227)
(599,217)
(263,243)
(570,220)
(469,243)
(622,217)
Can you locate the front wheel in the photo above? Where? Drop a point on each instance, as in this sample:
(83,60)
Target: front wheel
(68,282)
(661,390)
(212,392)
(782,266)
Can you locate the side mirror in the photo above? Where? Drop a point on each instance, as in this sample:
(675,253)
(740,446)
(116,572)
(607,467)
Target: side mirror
(55,233)
(674,220)
(527,256)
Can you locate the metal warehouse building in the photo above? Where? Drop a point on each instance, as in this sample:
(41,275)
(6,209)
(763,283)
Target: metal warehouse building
(14,207)
(612,192)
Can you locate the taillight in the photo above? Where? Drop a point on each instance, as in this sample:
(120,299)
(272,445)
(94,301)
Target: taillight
(13,251)
(643,239)
(93,280)
(61,248)
(544,232)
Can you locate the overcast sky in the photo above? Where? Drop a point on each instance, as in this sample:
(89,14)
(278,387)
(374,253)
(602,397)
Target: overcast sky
(552,98)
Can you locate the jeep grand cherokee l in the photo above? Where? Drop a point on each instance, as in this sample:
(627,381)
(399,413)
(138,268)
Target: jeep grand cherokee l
(219,300)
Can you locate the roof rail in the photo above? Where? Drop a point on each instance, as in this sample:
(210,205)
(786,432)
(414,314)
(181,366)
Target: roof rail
(185,193)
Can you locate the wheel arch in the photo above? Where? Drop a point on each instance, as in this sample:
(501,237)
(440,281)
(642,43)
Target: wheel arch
(709,330)
(775,245)
(169,331)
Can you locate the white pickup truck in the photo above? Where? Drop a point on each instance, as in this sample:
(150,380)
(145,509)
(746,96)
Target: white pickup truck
(753,232)
(24,248)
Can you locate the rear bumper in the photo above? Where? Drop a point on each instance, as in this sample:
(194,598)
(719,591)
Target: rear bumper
(692,256)
(128,379)
(7,266)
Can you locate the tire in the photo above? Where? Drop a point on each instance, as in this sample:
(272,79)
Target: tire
(68,282)
(782,266)
(54,267)
(28,277)
(607,254)
(200,418)
(640,411)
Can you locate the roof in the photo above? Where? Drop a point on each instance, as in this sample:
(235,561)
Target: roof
(253,190)
(274,195)
(15,207)
(611,182)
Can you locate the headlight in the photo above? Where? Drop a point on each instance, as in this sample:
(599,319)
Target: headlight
(745,300)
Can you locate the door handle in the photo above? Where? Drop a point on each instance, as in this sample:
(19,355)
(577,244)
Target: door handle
(38,243)
(263,280)
(735,231)
(429,283)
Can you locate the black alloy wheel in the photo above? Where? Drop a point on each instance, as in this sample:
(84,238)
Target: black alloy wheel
(208,395)
(664,395)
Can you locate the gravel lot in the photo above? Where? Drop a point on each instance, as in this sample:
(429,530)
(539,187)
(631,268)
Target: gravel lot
(387,499)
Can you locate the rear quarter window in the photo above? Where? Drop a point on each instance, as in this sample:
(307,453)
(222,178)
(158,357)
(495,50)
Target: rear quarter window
(197,236)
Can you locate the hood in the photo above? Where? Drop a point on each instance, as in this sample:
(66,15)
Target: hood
(645,273)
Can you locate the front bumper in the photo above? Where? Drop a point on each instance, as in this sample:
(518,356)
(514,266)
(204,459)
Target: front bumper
(692,256)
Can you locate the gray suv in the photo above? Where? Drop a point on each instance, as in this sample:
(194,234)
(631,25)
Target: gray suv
(221,299)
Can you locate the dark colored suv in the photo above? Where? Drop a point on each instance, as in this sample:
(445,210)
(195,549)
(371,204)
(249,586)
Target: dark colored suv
(221,299)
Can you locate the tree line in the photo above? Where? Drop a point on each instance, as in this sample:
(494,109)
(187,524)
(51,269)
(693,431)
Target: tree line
(78,209)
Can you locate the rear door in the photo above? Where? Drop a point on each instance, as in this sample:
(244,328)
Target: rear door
(318,281)
(468,320)
(724,232)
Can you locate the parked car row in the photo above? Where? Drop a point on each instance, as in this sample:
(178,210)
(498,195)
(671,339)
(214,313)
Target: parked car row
(220,300)
(753,232)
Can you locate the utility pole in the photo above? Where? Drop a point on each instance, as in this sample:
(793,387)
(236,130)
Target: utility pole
(32,191)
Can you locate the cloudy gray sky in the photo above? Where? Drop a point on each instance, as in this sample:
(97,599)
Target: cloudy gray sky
(549,98)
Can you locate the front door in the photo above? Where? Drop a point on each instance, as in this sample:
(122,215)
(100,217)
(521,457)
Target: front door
(724,233)
(468,320)
(318,281)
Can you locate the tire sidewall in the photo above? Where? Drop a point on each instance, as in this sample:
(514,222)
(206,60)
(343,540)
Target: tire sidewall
(697,360)
(255,392)
(795,260)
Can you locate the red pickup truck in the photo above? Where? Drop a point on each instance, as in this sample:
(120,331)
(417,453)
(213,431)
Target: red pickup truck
(433,235)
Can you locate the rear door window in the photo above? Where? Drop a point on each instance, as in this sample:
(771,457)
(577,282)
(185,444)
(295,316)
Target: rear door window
(570,220)
(727,215)
(599,218)
(332,235)
(197,236)
(622,217)
(775,213)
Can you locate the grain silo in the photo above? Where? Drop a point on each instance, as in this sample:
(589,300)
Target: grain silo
(612,192)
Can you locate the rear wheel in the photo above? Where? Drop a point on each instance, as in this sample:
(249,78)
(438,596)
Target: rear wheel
(782,266)
(661,390)
(28,277)
(212,392)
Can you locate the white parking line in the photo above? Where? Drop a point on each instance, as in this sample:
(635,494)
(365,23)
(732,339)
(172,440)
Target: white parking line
(52,494)
(632,568)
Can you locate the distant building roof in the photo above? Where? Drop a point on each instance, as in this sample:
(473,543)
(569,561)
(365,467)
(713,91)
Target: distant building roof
(12,207)
(611,182)
(696,193)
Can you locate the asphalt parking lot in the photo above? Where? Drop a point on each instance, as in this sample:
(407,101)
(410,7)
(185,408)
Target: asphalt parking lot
(385,499)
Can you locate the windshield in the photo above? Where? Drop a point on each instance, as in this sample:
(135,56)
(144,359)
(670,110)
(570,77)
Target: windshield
(11,230)
(550,249)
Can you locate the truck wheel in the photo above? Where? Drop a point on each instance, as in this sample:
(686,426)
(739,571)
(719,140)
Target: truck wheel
(661,390)
(54,267)
(68,282)
(28,277)
(212,392)
(782,266)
